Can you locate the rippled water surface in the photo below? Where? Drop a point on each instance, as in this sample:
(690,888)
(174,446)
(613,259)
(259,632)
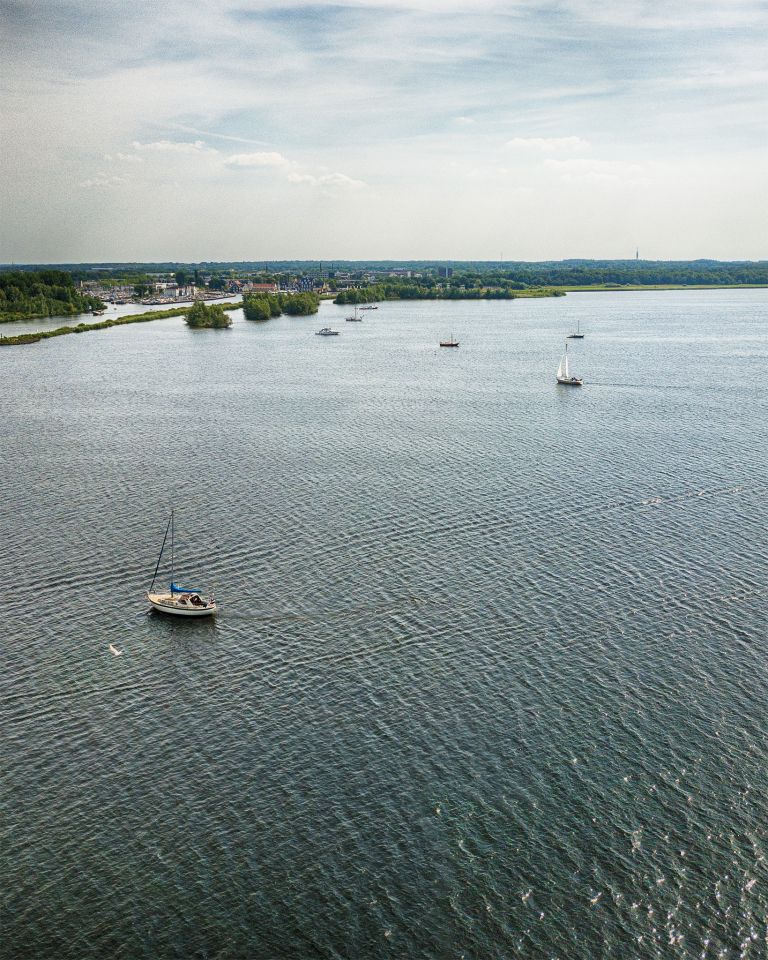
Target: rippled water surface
(489,676)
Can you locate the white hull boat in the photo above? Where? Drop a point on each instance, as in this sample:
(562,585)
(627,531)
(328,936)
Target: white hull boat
(182,604)
(179,601)
(563,376)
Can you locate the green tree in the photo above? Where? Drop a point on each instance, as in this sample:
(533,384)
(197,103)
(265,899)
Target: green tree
(256,308)
(301,304)
(203,315)
(182,277)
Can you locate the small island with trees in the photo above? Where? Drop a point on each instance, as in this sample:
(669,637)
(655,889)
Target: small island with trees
(263,307)
(212,316)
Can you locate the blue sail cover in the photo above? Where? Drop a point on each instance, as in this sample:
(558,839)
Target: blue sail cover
(175,589)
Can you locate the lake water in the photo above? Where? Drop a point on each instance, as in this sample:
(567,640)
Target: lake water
(489,675)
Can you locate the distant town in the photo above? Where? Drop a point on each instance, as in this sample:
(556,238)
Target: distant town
(168,287)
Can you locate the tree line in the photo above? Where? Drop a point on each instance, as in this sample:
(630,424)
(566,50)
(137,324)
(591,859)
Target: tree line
(432,290)
(257,306)
(25,295)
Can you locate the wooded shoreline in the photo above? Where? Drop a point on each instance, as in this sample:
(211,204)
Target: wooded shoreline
(36,336)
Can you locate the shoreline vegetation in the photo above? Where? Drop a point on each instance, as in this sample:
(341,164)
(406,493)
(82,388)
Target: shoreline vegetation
(405,290)
(260,307)
(634,287)
(198,316)
(296,288)
(44,293)
(23,338)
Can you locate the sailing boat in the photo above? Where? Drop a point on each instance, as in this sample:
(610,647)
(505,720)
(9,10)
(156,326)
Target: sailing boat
(355,319)
(563,375)
(576,336)
(450,342)
(182,601)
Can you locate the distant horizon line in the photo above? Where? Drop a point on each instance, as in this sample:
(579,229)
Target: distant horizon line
(332,262)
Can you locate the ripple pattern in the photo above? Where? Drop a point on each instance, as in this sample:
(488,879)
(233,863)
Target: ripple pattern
(489,677)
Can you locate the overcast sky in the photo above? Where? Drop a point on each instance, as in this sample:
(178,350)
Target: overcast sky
(529,130)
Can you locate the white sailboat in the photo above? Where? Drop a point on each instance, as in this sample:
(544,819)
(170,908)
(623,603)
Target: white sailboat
(181,601)
(563,376)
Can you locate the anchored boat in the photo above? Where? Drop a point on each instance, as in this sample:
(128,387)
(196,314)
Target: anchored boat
(181,601)
(563,375)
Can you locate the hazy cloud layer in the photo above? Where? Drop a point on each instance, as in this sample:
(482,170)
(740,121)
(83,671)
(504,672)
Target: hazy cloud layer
(219,130)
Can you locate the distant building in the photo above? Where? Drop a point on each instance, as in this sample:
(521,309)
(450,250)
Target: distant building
(445,272)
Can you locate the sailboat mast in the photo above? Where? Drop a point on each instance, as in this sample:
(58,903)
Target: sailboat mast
(172,548)
(160,556)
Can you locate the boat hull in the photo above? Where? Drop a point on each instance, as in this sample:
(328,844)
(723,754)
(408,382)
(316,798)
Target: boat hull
(575,336)
(166,604)
(449,344)
(570,381)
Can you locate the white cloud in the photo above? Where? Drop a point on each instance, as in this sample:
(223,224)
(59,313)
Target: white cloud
(173,146)
(548,144)
(123,158)
(102,182)
(262,159)
(328,180)
(463,120)
(606,171)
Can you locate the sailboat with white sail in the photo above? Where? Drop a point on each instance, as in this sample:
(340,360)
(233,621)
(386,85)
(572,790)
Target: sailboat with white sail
(563,375)
(181,601)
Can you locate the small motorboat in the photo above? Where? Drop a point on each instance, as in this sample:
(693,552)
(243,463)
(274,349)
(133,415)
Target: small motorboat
(370,307)
(563,376)
(327,332)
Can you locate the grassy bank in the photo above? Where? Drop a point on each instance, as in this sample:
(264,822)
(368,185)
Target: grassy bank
(379,293)
(38,335)
(618,287)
